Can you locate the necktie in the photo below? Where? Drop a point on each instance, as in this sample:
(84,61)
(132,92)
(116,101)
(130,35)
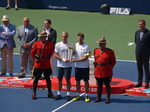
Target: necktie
(141,35)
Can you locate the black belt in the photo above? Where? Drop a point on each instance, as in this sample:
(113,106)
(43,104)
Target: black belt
(102,64)
(48,57)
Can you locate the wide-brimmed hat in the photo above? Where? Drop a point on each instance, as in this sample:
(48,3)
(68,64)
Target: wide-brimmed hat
(5,18)
(43,34)
(102,40)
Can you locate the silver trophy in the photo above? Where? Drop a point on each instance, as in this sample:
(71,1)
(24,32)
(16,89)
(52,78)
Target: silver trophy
(70,52)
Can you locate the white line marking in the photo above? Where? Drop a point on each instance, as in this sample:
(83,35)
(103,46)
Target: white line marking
(126,60)
(130,43)
(92,58)
(65,104)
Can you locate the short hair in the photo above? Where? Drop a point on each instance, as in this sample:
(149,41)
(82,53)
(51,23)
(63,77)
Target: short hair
(81,35)
(65,33)
(144,22)
(48,20)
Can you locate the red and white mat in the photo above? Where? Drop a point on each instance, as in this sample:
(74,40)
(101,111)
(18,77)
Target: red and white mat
(118,85)
(138,91)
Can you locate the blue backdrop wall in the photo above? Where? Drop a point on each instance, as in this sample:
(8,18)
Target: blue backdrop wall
(137,6)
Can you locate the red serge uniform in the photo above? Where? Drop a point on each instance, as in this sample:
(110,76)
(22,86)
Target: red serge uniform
(44,51)
(105,61)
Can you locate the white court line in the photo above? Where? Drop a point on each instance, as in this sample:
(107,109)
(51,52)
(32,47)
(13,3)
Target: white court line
(127,60)
(92,58)
(65,104)
(130,43)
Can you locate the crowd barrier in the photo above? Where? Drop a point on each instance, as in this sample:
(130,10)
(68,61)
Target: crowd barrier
(137,6)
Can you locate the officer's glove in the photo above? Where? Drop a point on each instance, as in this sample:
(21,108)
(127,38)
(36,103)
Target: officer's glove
(37,58)
(95,64)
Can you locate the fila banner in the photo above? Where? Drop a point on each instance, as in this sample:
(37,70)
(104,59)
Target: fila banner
(120,11)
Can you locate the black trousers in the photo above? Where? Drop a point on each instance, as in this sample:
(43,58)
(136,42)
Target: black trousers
(102,81)
(38,72)
(143,61)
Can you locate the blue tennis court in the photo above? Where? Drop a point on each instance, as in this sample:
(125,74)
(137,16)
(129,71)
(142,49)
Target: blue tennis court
(19,100)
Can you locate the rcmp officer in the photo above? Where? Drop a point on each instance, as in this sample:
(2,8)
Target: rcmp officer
(104,63)
(41,53)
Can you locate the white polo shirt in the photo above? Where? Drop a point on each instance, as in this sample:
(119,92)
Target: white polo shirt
(63,49)
(81,51)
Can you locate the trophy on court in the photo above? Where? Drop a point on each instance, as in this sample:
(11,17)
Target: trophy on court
(70,52)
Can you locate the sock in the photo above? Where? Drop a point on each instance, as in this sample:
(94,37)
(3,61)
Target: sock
(68,93)
(86,94)
(16,6)
(77,94)
(58,92)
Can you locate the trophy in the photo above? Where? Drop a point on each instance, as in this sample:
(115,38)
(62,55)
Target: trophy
(70,52)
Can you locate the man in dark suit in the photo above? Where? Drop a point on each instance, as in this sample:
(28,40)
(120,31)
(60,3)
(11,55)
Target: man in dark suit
(52,37)
(26,36)
(52,34)
(142,42)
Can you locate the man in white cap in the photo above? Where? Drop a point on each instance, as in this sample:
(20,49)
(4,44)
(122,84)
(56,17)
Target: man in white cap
(7,43)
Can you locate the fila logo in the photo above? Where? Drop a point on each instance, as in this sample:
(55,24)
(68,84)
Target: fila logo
(121,11)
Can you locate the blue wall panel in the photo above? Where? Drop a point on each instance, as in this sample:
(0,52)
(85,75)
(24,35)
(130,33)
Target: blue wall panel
(137,6)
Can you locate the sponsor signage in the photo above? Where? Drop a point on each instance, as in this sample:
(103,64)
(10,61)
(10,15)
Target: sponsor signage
(120,11)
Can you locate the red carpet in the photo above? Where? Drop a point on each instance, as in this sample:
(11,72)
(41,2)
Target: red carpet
(139,91)
(118,85)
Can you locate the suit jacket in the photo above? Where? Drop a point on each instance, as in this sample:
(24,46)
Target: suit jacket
(52,36)
(4,38)
(143,46)
(31,37)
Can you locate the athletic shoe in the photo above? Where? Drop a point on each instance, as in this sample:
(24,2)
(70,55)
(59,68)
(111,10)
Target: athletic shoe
(16,9)
(11,75)
(58,97)
(3,74)
(68,98)
(138,85)
(21,76)
(147,86)
(87,99)
(76,98)
(8,7)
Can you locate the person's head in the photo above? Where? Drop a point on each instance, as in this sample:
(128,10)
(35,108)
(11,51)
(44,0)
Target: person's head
(102,42)
(80,38)
(26,21)
(47,23)
(142,24)
(5,20)
(64,36)
(43,36)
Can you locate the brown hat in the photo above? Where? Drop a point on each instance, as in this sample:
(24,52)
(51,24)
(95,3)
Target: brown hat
(5,18)
(43,34)
(102,40)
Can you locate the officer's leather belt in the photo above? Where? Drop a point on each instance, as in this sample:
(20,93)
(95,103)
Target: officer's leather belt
(102,64)
(48,57)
